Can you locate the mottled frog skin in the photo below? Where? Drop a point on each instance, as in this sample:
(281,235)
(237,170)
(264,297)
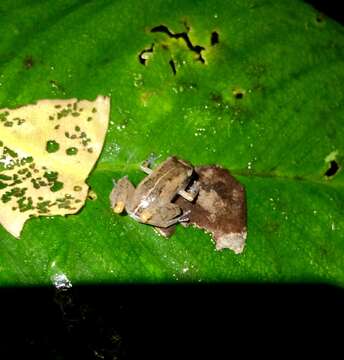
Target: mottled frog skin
(151,202)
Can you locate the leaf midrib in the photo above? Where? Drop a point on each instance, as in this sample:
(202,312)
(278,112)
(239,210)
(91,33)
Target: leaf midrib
(112,167)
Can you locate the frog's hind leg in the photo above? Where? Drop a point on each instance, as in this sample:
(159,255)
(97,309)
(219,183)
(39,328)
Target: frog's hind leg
(170,230)
(121,194)
(182,218)
(169,215)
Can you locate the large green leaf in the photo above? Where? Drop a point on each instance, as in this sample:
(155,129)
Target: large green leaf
(278,138)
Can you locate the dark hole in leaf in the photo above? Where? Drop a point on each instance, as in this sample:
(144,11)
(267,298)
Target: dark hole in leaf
(173,66)
(144,55)
(333,169)
(183,35)
(163,29)
(198,49)
(239,95)
(214,38)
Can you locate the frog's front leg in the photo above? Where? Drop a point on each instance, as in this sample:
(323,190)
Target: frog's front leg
(121,194)
(146,166)
(182,218)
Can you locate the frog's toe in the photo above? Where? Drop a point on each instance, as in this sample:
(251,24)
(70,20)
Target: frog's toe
(185,216)
(146,216)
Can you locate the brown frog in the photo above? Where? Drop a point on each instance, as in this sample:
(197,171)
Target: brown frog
(152,201)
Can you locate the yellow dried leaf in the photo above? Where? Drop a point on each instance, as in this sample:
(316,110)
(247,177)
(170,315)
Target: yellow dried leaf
(47,150)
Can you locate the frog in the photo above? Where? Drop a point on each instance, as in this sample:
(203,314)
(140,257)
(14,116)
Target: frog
(151,202)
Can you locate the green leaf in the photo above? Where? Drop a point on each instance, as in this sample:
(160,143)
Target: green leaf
(278,136)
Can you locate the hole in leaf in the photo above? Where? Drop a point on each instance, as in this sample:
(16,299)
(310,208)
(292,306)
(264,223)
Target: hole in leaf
(145,54)
(238,94)
(214,38)
(173,66)
(333,169)
(183,35)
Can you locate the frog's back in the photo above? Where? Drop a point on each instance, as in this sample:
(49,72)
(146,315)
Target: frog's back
(165,181)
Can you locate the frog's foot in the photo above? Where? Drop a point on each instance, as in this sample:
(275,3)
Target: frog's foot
(184,217)
(192,192)
(180,219)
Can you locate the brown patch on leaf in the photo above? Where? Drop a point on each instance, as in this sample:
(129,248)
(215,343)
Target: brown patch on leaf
(28,62)
(220,208)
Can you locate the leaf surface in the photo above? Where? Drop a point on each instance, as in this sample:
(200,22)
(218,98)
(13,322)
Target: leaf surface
(265,100)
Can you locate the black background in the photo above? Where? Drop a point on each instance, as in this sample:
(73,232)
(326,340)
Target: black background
(330,8)
(159,322)
(176,321)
